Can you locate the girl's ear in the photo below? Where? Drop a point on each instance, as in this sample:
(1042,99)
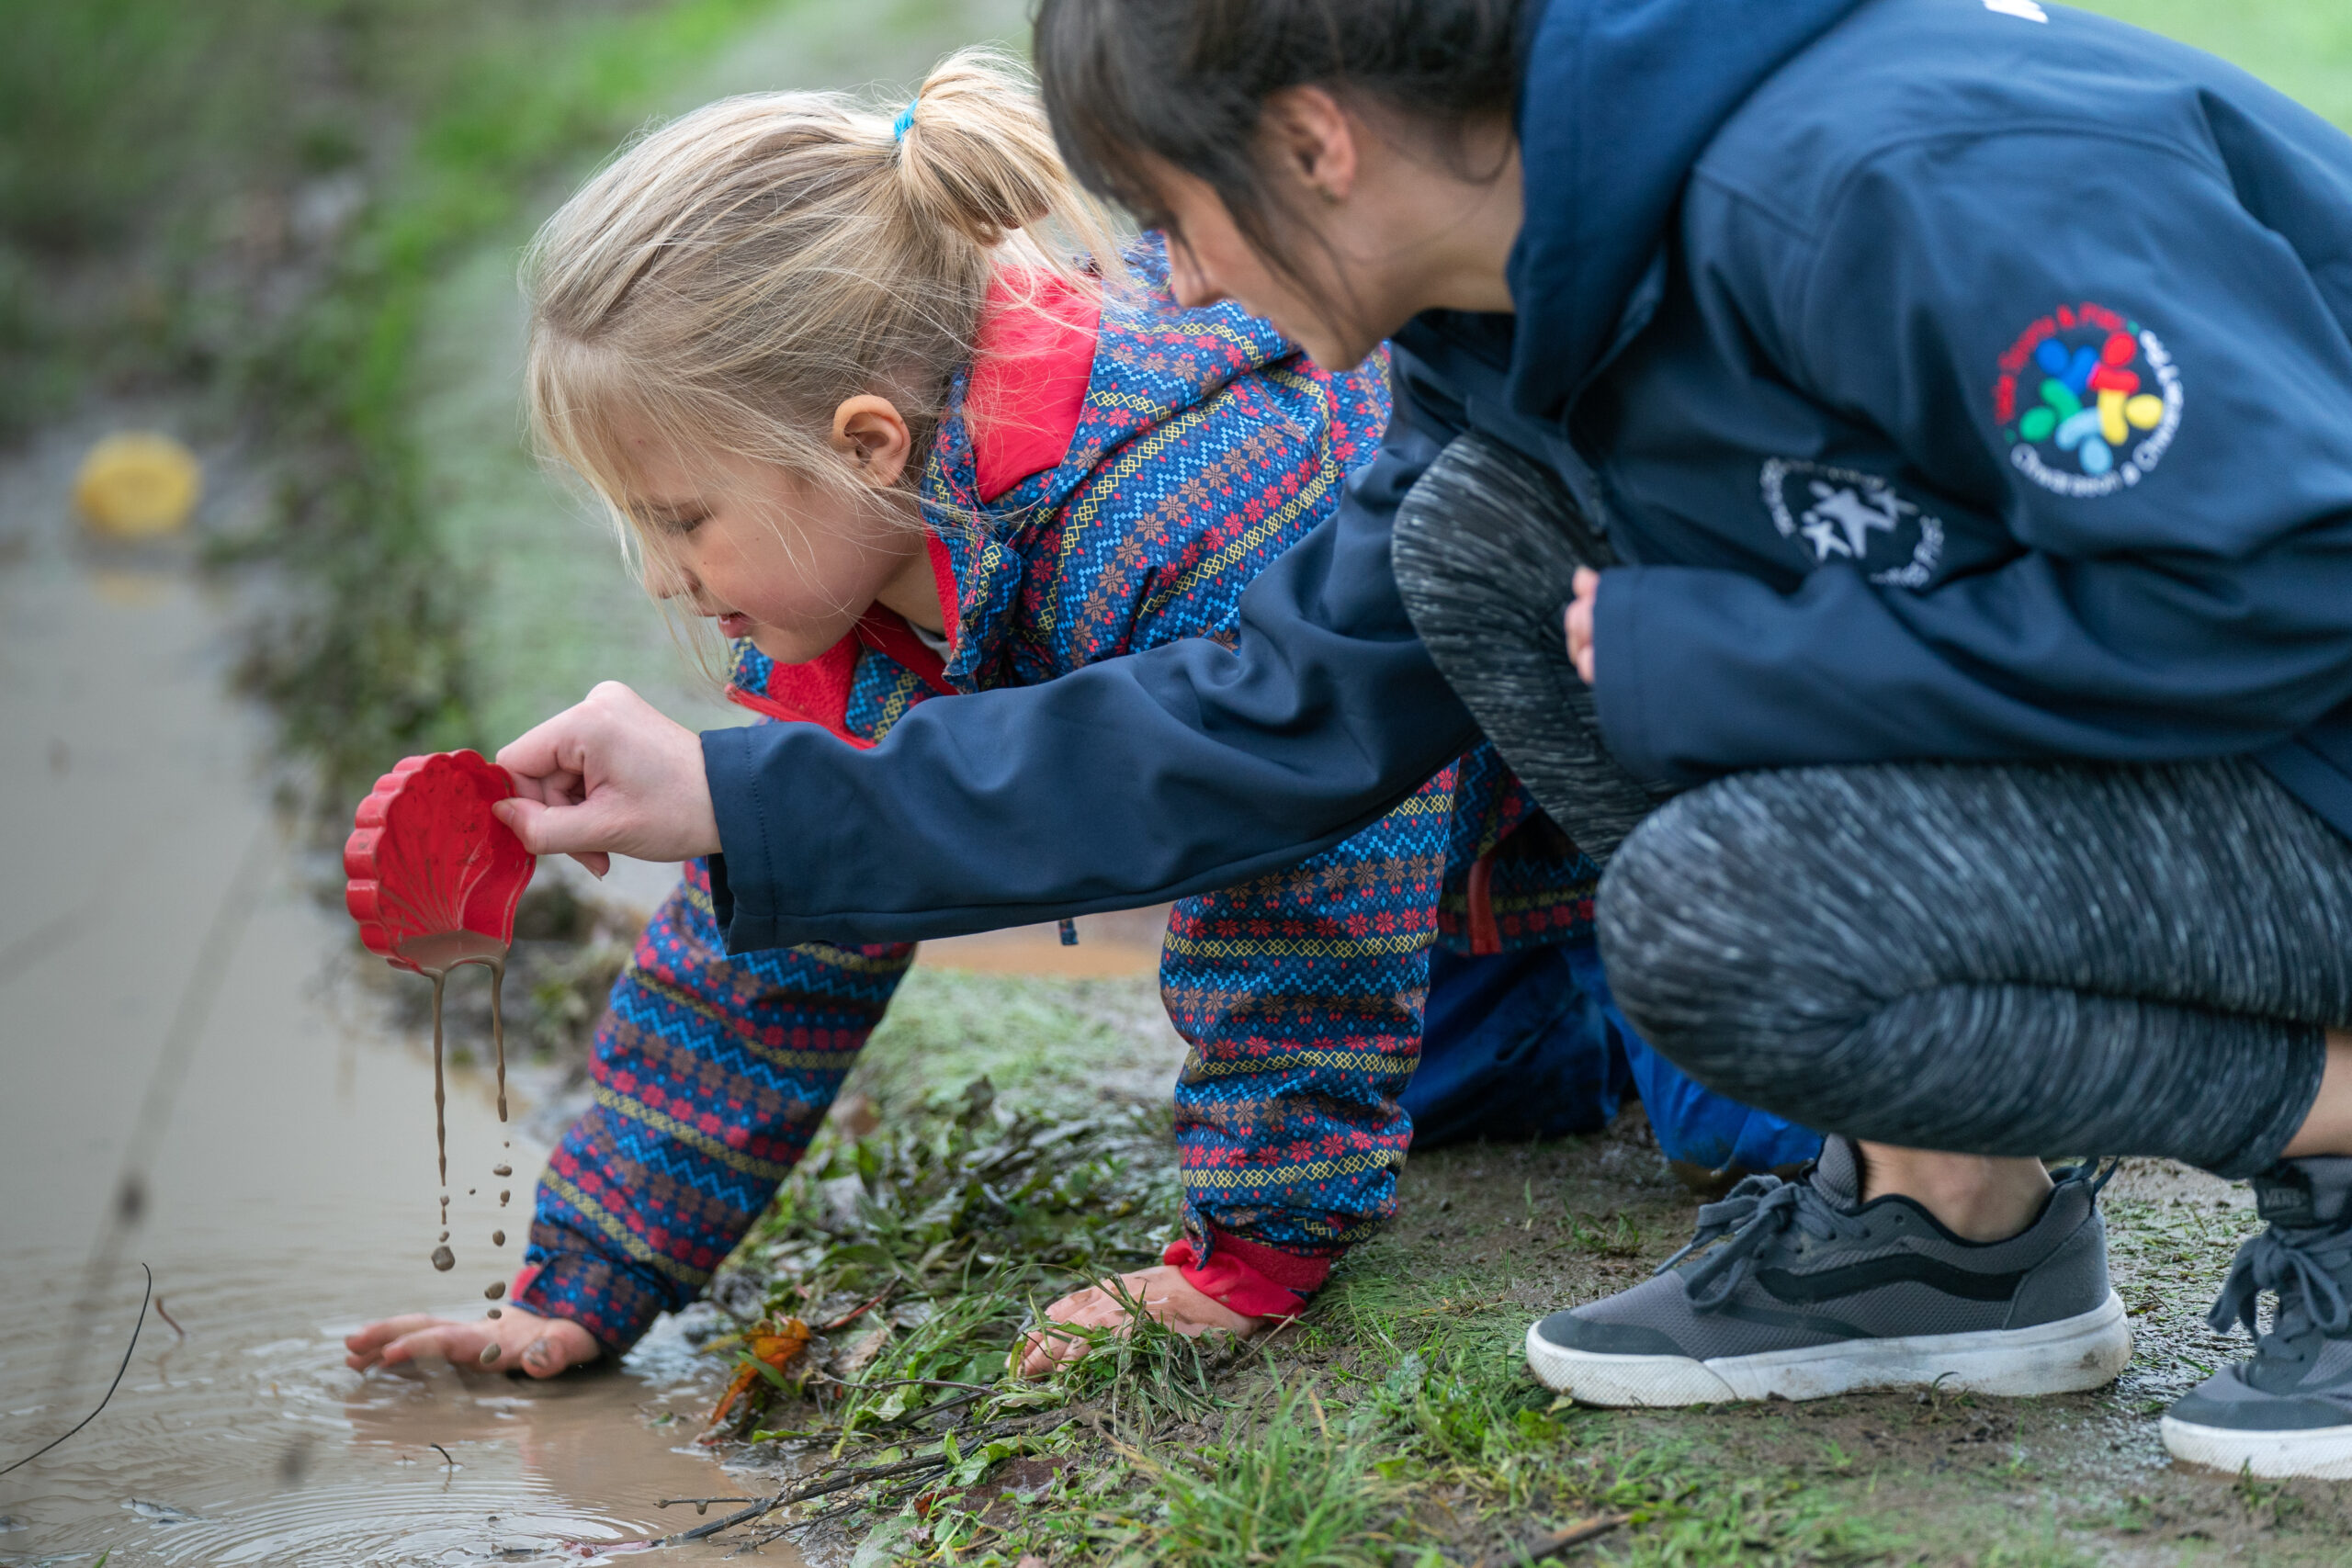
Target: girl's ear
(871,434)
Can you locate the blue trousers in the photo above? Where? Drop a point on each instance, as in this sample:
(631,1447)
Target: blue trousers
(1529,1045)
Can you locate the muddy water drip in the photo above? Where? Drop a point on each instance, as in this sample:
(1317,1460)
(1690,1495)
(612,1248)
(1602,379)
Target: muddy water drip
(435,955)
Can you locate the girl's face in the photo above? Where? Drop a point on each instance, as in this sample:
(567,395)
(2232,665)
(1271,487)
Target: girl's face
(771,556)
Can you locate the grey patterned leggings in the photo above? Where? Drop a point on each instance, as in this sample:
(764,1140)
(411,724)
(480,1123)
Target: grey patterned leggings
(1994,959)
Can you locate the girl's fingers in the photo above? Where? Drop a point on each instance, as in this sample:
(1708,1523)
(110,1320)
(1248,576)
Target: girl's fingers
(365,1343)
(523,1341)
(454,1343)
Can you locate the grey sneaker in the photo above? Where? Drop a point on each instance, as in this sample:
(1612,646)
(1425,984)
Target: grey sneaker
(1797,1289)
(2288,1411)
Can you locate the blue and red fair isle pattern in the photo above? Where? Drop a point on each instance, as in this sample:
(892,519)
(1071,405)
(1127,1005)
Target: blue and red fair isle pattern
(1206,447)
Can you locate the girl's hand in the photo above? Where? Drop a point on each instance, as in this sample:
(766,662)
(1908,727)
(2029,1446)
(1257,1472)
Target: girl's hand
(611,775)
(1165,1293)
(1588,590)
(526,1341)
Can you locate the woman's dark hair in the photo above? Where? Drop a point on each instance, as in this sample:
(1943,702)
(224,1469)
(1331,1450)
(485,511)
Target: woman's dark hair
(1186,81)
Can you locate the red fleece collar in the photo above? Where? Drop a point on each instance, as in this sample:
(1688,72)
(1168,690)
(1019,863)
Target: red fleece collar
(1032,365)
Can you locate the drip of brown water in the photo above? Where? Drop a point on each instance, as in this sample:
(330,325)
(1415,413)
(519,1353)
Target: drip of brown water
(503,1194)
(495,1289)
(435,956)
(502,1168)
(498,1025)
(498,1238)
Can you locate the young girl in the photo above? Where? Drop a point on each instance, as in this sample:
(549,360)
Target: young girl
(1935,417)
(846,408)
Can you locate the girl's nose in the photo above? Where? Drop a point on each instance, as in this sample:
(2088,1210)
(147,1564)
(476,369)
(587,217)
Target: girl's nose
(666,579)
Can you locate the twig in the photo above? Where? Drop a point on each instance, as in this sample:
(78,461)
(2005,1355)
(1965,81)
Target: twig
(901,1383)
(856,1312)
(702,1505)
(1575,1535)
(167,1318)
(443,1453)
(93,1415)
(941,1408)
(785,1499)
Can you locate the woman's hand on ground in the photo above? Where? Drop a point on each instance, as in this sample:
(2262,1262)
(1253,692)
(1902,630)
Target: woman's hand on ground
(1588,590)
(526,1341)
(1165,1293)
(610,775)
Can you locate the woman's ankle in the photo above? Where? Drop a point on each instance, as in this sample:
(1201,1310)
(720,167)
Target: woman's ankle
(2327,1127)
(1976,1197)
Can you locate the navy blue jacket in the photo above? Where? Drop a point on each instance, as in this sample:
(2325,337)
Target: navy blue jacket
(1960,380)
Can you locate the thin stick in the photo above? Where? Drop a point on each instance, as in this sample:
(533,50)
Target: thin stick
(785,1499)
(1575,1535)
(941,1408)
(93,1415)
(164,1314)
(443,1453)
(701,1503)
(901,1383)
(856,1312)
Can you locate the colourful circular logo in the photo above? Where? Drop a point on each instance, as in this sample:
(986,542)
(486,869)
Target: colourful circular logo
(2089,399)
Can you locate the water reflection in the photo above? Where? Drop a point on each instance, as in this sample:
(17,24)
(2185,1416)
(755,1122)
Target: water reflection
(288,1190)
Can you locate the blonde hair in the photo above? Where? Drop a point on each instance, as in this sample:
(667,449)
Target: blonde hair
(732,275)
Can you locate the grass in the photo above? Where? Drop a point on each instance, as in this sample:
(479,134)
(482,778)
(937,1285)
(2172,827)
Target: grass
(1006,1139)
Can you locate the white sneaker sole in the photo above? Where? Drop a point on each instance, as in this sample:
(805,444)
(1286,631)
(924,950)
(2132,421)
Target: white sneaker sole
(2065,1357)
(2323,1453)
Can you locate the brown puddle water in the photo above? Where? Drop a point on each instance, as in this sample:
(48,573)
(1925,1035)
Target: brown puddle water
(285,1191)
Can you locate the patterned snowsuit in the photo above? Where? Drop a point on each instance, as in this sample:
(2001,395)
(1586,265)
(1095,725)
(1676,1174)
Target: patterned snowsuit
(1109,477)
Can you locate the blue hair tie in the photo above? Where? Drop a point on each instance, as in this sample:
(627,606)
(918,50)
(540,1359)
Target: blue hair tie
(905,122)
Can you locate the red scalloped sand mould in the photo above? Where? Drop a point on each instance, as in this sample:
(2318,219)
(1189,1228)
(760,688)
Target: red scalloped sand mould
(427,860)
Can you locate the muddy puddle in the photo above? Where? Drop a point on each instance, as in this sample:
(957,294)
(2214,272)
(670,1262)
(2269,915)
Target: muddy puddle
(179,1019)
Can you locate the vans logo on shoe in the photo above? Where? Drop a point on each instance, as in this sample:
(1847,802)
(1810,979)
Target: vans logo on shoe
(1843,516)
(2283,1197)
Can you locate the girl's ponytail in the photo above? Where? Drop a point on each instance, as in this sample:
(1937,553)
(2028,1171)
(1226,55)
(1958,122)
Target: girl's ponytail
(978,157)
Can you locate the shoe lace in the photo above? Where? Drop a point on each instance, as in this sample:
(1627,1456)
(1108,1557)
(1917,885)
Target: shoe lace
(1759,1211)
(2304,1267)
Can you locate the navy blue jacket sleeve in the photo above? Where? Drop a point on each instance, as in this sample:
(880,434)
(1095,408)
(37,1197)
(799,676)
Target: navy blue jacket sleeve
(1156,775)
(2202,608)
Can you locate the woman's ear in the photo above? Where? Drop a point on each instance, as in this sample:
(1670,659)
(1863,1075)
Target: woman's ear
(872,434)
(1312,138)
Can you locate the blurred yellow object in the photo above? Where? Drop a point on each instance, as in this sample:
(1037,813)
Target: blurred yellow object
(136,485)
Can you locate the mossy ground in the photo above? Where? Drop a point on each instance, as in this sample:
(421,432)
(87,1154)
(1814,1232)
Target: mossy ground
(1395,1423)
